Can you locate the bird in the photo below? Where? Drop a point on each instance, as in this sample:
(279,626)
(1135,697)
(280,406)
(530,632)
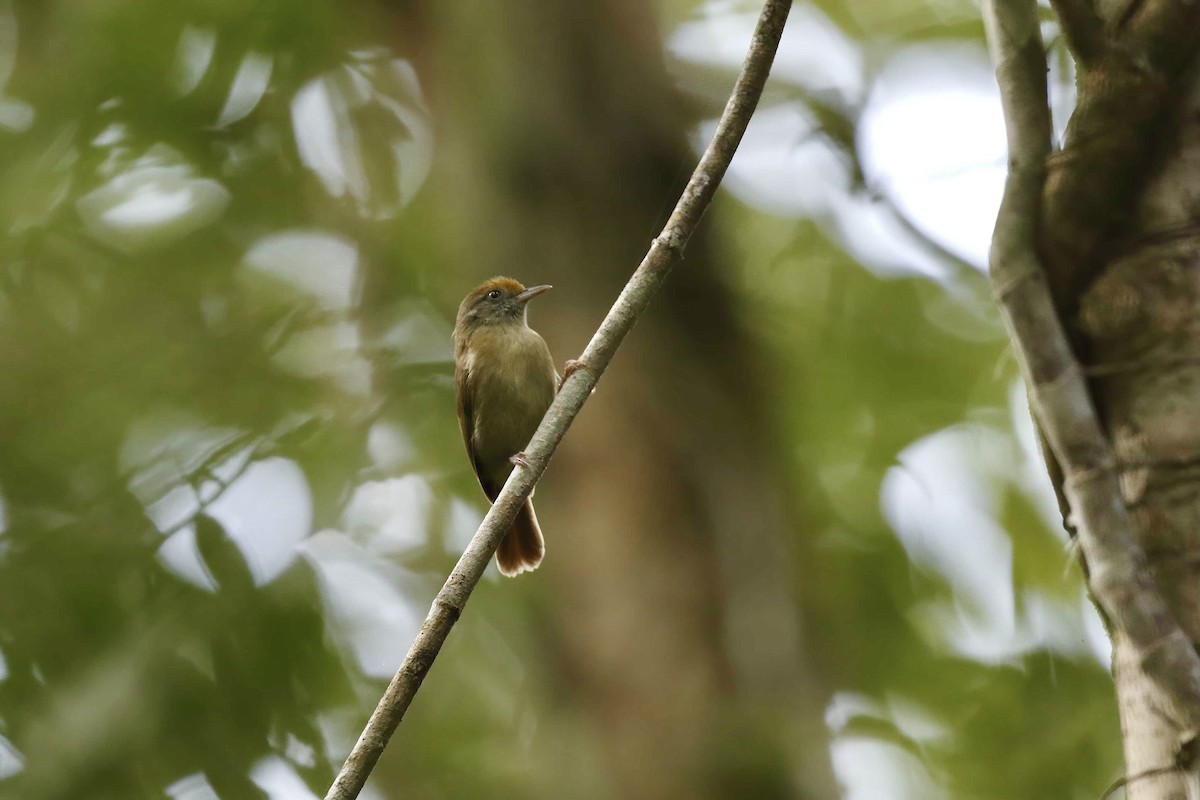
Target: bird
(504,380)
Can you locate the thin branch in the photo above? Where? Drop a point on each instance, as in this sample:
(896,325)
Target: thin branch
(665,250)
(1082,28)
(1119,576)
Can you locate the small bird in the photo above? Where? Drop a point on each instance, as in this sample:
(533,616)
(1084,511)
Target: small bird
(504,379)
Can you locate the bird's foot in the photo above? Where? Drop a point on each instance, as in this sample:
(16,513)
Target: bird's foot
(519,460)
(569,367)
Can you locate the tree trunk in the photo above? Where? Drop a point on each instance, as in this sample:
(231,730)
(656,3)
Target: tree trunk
(1118,239)
(1140,322)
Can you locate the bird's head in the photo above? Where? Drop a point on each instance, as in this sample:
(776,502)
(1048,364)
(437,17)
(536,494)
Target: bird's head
(496,301)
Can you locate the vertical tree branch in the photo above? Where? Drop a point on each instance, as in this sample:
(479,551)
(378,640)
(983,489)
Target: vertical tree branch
(1119,576)
(665,250)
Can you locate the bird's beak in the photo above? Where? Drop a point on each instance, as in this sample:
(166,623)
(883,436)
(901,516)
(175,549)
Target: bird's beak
(531,292)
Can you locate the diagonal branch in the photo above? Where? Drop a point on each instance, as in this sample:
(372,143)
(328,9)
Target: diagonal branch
(666,249)
(1119,576)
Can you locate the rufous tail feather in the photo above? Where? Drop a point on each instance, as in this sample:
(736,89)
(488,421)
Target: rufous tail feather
(523,546)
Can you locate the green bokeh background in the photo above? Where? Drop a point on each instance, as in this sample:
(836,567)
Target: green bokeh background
(727,608)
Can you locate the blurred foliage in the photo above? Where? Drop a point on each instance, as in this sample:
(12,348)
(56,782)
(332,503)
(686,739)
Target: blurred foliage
(230,481)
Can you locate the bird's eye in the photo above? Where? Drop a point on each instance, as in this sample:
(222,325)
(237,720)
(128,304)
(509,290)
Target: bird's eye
(494,294)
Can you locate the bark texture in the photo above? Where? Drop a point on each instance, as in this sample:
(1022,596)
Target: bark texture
(1140,321)
(1118,245)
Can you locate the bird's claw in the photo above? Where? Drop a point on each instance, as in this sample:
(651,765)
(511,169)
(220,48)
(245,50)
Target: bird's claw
(519,460)
(569,367)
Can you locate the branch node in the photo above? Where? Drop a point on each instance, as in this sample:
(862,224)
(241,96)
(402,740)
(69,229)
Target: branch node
(673,241)
(1081,477)
(1004,286)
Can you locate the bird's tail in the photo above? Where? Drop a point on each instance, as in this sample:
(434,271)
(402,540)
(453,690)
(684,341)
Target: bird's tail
(523,546)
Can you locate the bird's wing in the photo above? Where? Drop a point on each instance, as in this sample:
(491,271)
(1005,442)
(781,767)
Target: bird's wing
(466,421)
